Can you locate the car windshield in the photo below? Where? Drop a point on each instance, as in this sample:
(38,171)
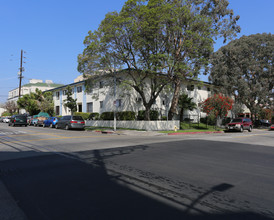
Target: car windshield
(20,117)
(77,118)
(236,120)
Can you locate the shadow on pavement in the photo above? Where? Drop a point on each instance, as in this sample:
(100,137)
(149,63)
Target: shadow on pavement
(61,187)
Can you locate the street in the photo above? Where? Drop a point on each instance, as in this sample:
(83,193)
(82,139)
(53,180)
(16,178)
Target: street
(57,174)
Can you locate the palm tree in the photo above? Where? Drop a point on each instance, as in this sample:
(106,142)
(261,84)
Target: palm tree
(185,103)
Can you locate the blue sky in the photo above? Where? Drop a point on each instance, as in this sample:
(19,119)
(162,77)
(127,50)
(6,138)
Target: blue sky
(52,33)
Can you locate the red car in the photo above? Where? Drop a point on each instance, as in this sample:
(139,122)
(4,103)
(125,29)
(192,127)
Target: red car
(272,127)
(240,124)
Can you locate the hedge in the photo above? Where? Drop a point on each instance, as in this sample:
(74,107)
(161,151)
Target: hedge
(154,115)
(84,115)
(94,116)
(126,116)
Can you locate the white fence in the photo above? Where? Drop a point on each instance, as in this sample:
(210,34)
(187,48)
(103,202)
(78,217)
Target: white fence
(142,125)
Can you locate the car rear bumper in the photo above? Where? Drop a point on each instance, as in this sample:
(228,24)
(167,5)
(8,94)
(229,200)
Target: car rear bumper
(77,126)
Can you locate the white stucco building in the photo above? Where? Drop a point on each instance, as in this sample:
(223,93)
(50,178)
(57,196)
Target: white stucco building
(31,87)
(101,98)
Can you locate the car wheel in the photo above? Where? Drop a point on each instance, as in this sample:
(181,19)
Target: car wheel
(50,125)
(250,128)
(56,126)
(241,129)
(26,125)
(9,124)
(67,127)
(44,125)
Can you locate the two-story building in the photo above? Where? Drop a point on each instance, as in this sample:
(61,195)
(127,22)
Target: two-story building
(31,87)
(101,98)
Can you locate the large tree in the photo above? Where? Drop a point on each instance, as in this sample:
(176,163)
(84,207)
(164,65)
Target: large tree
(158,42)
(192,29)
(36,102)
(244,68)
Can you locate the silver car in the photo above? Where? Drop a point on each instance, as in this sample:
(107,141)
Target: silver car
(70,122)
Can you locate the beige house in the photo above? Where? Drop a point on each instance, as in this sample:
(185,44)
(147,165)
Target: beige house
(31,87)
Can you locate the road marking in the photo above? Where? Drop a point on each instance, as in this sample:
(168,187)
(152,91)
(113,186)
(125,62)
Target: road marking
(12,133)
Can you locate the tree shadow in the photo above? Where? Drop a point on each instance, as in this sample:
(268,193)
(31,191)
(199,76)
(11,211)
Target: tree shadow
(80,186)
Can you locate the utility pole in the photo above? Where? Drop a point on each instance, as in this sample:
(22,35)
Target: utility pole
(20,73)
(20,76)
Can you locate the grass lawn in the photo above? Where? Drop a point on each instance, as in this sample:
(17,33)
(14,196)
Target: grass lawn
(194,127)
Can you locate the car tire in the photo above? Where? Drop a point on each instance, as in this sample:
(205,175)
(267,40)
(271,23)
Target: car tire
(44,125)
(241,129)
(250,128)
(9,124)
(67,127)
(26,125)
(50,125)
(56,126)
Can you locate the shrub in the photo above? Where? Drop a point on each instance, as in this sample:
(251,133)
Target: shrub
(83,114)
(126,116)
(210,120)
(94,116)
(6,114)
(154,115)
(107,116)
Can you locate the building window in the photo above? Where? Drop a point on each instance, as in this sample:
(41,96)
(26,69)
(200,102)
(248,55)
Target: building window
(190,87)
(65,92)
(57,95)
(101,104)
(80,107)
(57,110)
(118,102)
(79,89)
(101,84)
(90,107)
(164,102)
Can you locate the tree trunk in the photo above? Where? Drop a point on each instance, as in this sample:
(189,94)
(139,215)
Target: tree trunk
(147,113)
(175,99)
(182,115)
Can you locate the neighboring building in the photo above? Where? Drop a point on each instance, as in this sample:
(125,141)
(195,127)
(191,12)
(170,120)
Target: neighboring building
(101,98)
(1,111)
(31,87)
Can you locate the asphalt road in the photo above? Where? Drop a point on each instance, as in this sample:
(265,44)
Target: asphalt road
(57,174)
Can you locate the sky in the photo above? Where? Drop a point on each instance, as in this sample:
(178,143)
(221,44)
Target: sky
(51,34)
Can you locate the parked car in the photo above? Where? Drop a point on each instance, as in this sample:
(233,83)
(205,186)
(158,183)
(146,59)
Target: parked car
(50,122)
(272,127)
(261,123)
(18,120)
(240,124)
(69,122)
(6,119)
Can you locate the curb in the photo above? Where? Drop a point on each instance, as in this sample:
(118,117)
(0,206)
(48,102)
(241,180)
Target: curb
(198,132)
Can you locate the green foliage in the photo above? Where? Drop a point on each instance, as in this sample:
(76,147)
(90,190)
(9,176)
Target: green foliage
(185,103)
(84,115)
(107,116)
(154,115)
(126,116)
(6,113)
(244,68)
(30,103)
(94,116)
(70,102)
(209,120)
